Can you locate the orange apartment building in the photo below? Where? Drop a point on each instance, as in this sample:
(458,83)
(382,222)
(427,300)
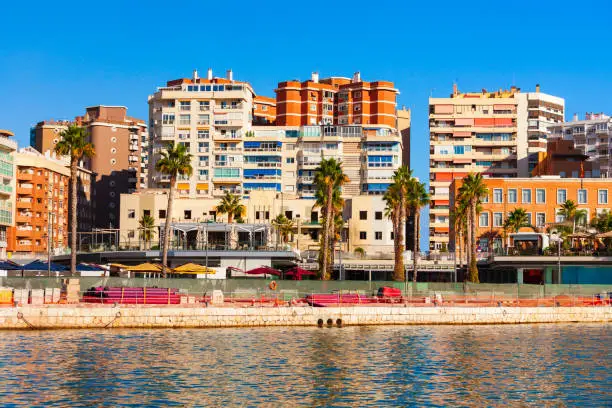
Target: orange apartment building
(42,191)
(541,197)
(563,159)
(119,165)
(264,111)
(336,100)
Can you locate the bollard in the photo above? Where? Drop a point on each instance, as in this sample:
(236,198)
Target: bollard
(339,323)
(330,323)
(320,322)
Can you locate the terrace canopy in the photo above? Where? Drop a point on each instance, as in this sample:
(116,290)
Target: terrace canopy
(298,273)
(39,265)
(264,270)
(145,267)
(192,268)
(9,266)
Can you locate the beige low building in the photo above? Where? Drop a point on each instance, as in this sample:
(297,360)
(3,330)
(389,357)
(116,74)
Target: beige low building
(365,224)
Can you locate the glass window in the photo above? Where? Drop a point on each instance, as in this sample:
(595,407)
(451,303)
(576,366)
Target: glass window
(559,217)
(378,215)
(540,196)
(602,197)
(529,219)
(459,149)
(540,219)
(575,174)
(582,196)
(498,219)
(484,219)
(131,213)
(363,215)
(561,195)
(526,196)
(497,195)
(184,119)
(378,235)
(363,235)
(512,196)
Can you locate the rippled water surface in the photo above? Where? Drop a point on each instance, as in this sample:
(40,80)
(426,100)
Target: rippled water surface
(540,365)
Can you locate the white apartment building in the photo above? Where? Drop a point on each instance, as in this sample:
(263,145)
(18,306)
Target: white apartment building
(593,136)
(494,133)
(7,188)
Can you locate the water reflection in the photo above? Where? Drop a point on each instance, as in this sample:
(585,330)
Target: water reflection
(354,366)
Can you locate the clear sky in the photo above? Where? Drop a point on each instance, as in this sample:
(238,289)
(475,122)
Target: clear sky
(58,57)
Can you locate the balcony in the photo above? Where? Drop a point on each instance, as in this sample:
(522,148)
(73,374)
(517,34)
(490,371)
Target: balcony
(25,190)
(309,164)
(229,122)
(202,178)
(306,179)
(262,164)
(24,204)
(23,232)
(227,136)
(25,176)
(226,108)
(228,149)
(134,147)
(217,192)
(24,217)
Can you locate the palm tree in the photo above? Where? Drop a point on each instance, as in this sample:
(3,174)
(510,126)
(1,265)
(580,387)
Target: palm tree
(329,178)
(393,209)
(75,144)
(174,161)
(602,222)
(569,210)
(459,215)
(147,229)
(230,204)
(417,197)
(473,190)
(284,227)
(518,219)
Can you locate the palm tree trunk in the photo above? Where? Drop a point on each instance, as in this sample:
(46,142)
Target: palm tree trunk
(398,273)
(415,244)
(167,226)
(468,238)
(327,228)
(473,266)
(73,216)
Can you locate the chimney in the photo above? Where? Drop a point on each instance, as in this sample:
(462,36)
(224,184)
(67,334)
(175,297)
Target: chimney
(356,77)
(575,119)
(455,90)
(195,75)
(314,77)
(209,75)
(537,88)
(229,74)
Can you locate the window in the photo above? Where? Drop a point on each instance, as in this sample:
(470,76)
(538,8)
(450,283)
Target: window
(146,213)
(529,219)
(363,235)
(131,213)
(185,105)
(540,196)
(184,119)
(162,214)
(562,174)
(483,219)
(602,197)
(391,236)
(561,195)
(378,235)
(290,160)
(540,219)
(512,196)
(187,214)
(575,174)
(313,107)
(484,198)
(378,215)
(559,217)
(526,196)
(582,196)
(363,215)
(357,107)
(498,219)
(497,195)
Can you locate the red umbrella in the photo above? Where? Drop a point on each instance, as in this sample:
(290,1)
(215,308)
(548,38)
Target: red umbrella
(298,273)
(264,270)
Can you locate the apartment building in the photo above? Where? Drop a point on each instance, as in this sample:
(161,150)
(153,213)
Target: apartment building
(7,189)
(264,111)
(365,224)
(41,204)
(592,136)
(540,197)
(336,100)
(564,160)
(120,164)
(493,133)
(213,117)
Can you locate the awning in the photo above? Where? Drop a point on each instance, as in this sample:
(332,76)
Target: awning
(503,107)
(443,108)
(264,270)
(462,134)
(201,186)
(464,122)
(182,186)
(192,268)
(39,265)
(145,267)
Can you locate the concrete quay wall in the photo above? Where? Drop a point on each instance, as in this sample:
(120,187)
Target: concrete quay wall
(107,316)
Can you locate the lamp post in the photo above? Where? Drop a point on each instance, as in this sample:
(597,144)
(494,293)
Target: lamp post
(556,238)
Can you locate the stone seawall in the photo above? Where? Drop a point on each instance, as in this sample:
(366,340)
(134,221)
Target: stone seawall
(106,316)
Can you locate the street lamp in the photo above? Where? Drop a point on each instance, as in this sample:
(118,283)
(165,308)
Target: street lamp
(557,238)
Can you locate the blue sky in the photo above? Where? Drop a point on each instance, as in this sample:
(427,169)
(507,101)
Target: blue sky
(58,57)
